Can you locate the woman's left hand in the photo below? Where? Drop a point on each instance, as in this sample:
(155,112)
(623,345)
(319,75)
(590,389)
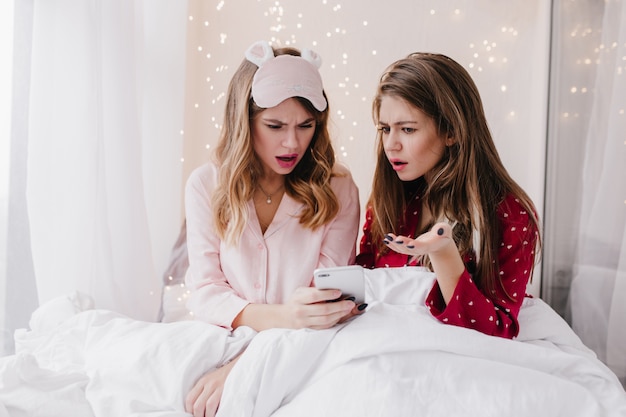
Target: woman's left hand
(437,238)
(204,398)
(356,311)
(445,259)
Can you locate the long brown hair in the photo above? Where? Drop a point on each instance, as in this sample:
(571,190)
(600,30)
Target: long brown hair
(469,182)
(240,169)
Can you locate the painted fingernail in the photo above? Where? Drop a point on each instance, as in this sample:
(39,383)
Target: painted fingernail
(410,246)
(399,242)
(387,237)
(351,299)
(362,307)
(440,231)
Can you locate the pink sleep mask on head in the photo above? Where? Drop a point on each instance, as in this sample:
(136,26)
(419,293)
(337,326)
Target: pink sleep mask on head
(285,76)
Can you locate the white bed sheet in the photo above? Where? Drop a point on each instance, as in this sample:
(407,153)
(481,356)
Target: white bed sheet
(395,360)
(100,363)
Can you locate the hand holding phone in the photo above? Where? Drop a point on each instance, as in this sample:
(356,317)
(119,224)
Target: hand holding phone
(349,279)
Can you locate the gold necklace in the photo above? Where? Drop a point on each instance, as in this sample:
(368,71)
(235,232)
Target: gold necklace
(269,195)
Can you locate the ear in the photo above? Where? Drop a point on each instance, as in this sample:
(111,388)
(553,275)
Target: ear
(259,53)
(450,140)
(312,57)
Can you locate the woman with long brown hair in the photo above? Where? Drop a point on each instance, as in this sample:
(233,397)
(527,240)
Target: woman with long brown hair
(441,197)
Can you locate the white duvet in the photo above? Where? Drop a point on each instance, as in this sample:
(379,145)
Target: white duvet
(394,360)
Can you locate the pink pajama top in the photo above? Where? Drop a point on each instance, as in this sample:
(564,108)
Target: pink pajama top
(262,268)
(492,313)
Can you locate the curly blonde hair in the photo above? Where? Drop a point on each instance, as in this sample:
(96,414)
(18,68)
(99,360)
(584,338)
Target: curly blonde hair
(240,168)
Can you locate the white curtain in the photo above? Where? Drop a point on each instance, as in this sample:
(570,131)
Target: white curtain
(104,146)
(598,291)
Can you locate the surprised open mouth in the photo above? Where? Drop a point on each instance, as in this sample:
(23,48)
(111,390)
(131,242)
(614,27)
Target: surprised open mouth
(397,164)
(287,161)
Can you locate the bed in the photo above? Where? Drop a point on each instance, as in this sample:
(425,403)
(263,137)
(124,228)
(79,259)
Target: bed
(394,360)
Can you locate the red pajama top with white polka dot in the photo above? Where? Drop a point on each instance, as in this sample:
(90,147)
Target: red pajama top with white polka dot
(492,313)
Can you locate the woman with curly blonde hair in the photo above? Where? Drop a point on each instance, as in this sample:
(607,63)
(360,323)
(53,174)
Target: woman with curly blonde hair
(271,207)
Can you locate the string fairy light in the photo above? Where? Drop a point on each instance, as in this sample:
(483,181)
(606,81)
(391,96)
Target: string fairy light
(288,24)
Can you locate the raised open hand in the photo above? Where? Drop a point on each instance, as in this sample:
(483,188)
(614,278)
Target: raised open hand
(437,238)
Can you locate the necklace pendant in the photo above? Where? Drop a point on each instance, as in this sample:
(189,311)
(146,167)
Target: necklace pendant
(269,200)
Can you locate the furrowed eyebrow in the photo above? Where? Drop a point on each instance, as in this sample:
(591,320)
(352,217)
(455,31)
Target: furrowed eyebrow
(400,123)
(273,121)
(279,122)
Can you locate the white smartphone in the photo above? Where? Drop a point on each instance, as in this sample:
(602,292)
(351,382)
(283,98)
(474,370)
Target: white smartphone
(349,279)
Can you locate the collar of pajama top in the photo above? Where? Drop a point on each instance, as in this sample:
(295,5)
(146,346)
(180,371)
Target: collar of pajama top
(262,268)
